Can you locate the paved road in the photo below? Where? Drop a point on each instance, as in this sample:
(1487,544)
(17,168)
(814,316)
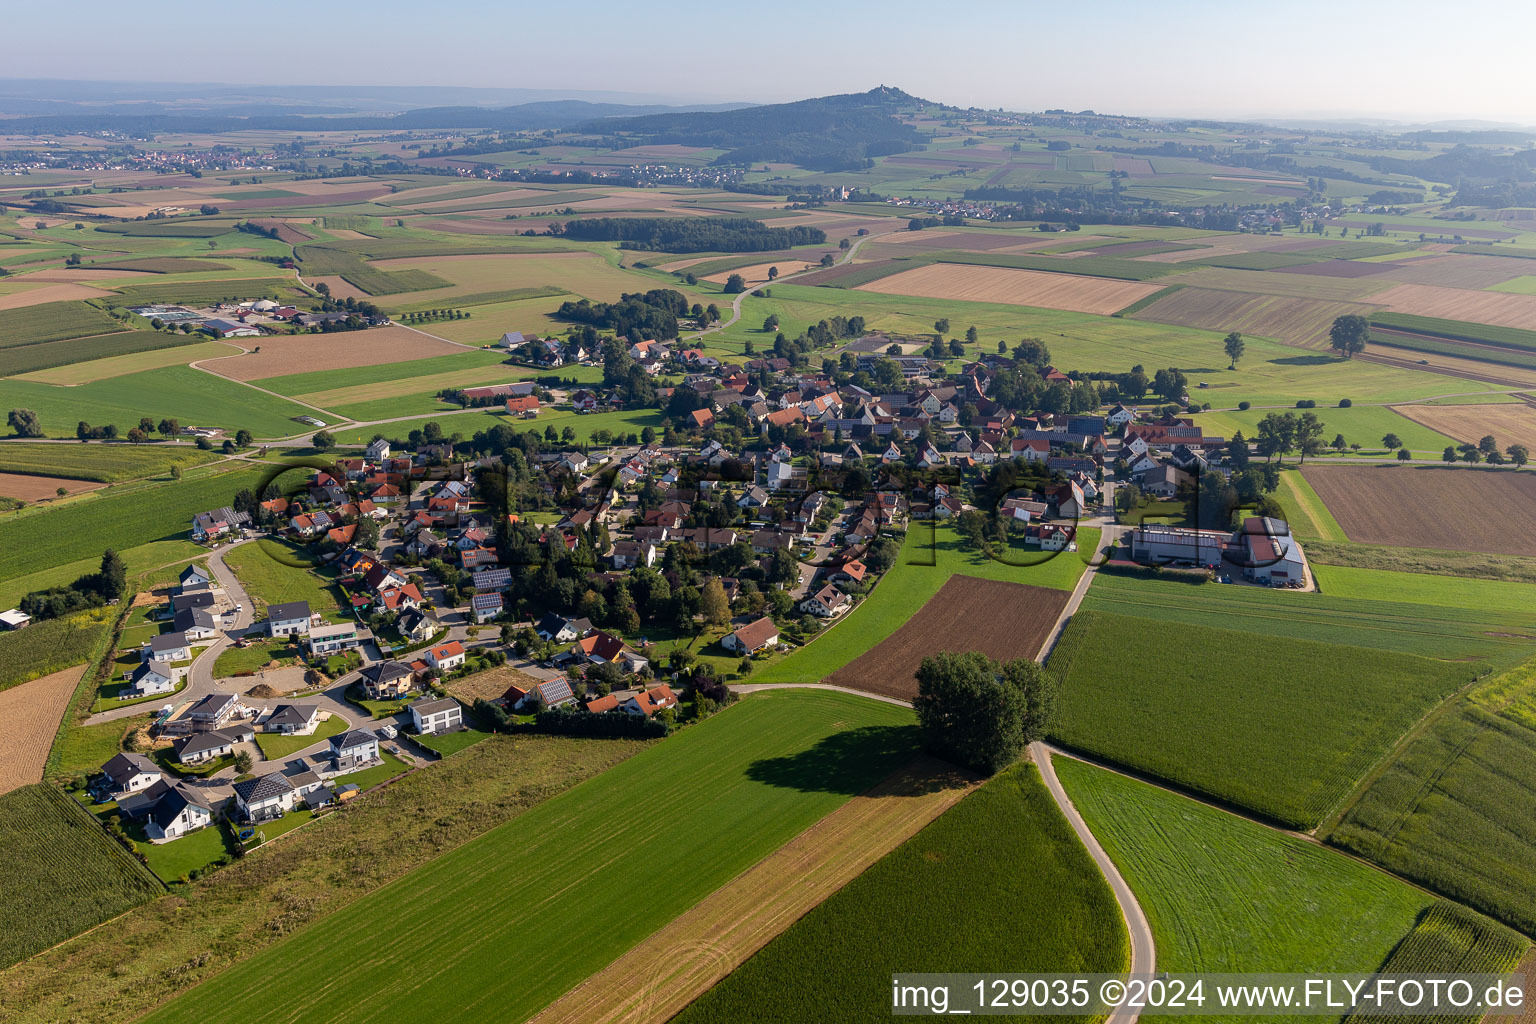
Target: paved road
(1143,949)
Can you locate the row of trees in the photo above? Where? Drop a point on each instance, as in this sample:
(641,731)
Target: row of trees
(689,234)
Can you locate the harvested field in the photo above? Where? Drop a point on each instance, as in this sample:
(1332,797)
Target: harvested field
(1498,308)
(1294,320)
(285,232)
(667,971)
(31,713)
(35,488)
(1016,287)
(340,287)
(304,352)
(489,685)
(1451,366)
(1431,507)
(50,293)
(1456,270)
(1002,620)
(1268,282)
(758,272)
(1513,423)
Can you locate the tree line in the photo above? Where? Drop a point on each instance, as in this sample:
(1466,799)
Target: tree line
(689,234)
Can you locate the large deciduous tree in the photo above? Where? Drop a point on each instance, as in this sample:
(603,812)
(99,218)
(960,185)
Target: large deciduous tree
(1349,334)
(981,715)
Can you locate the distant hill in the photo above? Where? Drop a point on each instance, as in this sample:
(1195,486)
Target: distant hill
(829,133)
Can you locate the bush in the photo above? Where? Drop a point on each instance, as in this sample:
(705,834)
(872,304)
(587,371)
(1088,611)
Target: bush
(1345,403)
(1306,403)
(1244,406)
(608,724)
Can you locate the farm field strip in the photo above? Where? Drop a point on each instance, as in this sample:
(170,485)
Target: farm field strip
(107,463)
(106,367)
(1507,423)
(1499,309)
(1213,710)
(1018,287)
(32,711)
(1002,620)
(659,976)
(740,785)
(341,350)
(1386,505)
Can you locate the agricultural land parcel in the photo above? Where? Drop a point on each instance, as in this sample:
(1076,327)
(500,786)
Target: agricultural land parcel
(50,646)
(1048,909)
(32,712)
(106,463)
(1225,894)
(1286,729)
(760,773)
(1455,809)
(1511,423)
(1455,509)
(64,873)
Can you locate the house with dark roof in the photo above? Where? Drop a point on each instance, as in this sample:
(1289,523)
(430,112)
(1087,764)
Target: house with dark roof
(485,607)
(387,680)
(291,618)
(293,719)
(354,749)
(553,693)
(559,629)
(272,795)
(123,775)
(201,747)
(182,809)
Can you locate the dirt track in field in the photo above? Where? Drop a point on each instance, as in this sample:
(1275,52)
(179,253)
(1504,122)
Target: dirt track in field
(1002,620)
(31,714)
(1018,287)
(298,353)
(664,973)
(1492,511)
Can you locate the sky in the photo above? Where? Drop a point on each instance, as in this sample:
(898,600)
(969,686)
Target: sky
(1406,59)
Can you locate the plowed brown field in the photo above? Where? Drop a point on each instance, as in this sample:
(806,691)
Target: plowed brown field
(1001,620)
(1016,287)
(1492,511)
(664,973)
(31,714)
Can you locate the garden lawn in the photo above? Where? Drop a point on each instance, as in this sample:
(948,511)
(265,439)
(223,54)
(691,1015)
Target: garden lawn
(244,661)
(1286,728)
(80,529)
(452,742)
(275,745)
(1225,894)
(189,395)
(735,787)
(1046,908)
(270,581)
(180,857)
(390,767)
(929,556)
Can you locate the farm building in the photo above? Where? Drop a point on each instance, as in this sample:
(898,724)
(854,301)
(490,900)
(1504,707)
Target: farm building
(231,329)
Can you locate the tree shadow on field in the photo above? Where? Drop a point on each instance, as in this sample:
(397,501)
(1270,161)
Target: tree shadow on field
(850,762)
(1318,360)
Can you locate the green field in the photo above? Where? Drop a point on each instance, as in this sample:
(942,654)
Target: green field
(1309,517)
(64,874)
(52,321)
(82,528)
(52,354)
(321,381)
(1457,629)
(1046,908)
(1503,599)
(108,463)
(930,554)
(1222,893)
(1449,939)
(197,293)
(1455,810)
(1286,728)
(1458,330)
(320,261)
(50,645)
(587,884)
(1470,564)
(191,396)
(627,421)
(1364,425)
(140,561)
(264,569)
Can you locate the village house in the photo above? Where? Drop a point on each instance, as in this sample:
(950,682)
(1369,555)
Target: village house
(430,717)
(293,719)
(205,746)
(551,693)
(445,657)
(124,775)
(753,637)
(826,602)
(558,629)
(292,618)
(271,796)
(354,749)
(485,607)
(387,680)
(182,809)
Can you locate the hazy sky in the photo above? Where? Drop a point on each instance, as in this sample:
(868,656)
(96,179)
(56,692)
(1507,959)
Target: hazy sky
(1407,58)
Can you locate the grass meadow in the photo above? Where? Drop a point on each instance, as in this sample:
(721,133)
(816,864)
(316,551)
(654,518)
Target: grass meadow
(1222,893)
(80,529)
(107,463)
(64,874)
(264,568)
(930,554)
(1046,908)
(627,421)
(598,870)
(1364,425)
(1455,809)
(1285,728)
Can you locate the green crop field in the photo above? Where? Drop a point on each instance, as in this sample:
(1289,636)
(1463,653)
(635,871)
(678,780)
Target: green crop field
(1449,939)
(180,227)
(191,396)
(109,463)
(139,560)
(160,265)
(1046,908)
(587,884)
(323,381)
(319,261)
(1222,893)
(52,321)
(1285,727)
(1364,425)
(50,645)
(82,528)
(51,354)
(1457,330)
(1471,564)
(1458,629)
(930,554)
(628,421)
(263,568)
(1503,599)
(64,874)
(1455,810)
(201,292)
